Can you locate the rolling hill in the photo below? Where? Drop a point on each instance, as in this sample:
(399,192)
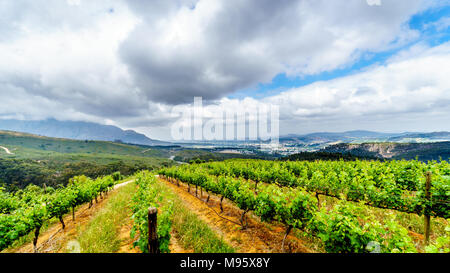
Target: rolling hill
(78,130)
(20,143)
(31,159)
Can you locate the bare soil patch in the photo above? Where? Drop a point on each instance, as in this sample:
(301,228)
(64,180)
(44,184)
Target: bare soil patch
(258,237)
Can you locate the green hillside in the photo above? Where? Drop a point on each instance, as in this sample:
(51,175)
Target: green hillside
(26,145)
(52,161)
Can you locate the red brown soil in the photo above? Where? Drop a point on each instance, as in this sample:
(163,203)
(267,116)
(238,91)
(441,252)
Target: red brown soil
(258,237)
(126,245)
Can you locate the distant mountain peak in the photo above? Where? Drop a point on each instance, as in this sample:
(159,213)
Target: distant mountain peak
(79,130)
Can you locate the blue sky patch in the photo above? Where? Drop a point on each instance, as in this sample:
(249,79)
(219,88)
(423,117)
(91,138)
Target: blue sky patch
(424,22)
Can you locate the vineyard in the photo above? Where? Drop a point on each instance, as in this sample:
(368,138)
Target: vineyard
(246,206)
(27,210)
(288,192)
(173,216)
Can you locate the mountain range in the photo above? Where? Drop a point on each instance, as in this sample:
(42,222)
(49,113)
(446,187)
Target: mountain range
(325,138)
(78,130)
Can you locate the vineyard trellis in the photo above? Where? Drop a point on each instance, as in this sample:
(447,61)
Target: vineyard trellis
(27,210)
(287,191)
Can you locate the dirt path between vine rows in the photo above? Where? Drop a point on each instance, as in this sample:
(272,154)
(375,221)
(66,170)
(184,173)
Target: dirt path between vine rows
(126,245)
(55,239)
(258,237)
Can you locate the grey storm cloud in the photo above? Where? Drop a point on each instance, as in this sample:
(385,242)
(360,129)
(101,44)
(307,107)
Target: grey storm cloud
(233,45)
(129,62)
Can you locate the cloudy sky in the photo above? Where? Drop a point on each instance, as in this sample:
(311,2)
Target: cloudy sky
(331,65)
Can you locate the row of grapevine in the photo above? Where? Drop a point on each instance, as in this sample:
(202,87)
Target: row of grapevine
(296,208)
(395,185)
(147,195)
(27,210)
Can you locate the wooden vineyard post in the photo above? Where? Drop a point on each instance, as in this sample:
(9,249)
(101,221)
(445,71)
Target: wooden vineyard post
(35,239)
(221,207)
(153,245)
(288,230)
(62,222)
(243,220)
(318,200)
(427,217)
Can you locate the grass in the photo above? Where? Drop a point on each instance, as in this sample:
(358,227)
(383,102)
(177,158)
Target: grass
(191,232)
(194,234)
(101,235)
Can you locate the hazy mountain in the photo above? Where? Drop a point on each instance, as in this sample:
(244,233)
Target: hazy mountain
(422,137)
(326,138)
(78,130)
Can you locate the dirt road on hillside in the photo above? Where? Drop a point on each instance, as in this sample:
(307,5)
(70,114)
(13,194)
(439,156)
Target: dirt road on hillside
(6,150)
